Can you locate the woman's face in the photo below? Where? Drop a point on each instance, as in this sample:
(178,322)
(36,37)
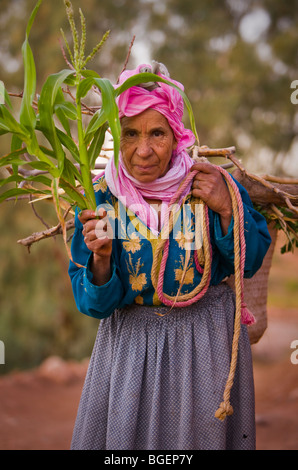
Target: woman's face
(147,143)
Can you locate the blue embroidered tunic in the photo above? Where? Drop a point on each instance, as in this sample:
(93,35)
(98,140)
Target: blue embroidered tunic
(133,249)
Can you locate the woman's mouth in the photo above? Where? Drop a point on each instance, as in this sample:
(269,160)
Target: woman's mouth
(144,169)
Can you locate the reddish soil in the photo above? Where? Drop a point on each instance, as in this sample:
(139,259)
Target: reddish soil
(38,407)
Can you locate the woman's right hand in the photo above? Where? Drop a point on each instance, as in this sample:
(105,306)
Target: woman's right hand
(97,232)
(98,237)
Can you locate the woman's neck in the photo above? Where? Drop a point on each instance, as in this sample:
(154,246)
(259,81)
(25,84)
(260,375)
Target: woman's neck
(156,203)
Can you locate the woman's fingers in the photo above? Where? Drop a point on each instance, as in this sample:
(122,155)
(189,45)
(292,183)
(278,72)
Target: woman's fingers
(208,185)
(103,229)
(86,215)
(97,230)
(204,167)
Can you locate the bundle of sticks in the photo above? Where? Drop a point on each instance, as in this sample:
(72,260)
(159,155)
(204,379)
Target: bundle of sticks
(266,191)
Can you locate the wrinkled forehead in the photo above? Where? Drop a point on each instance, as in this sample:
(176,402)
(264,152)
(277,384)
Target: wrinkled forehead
(147,120)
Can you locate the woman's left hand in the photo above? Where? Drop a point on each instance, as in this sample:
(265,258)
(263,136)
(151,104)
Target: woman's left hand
(209,185)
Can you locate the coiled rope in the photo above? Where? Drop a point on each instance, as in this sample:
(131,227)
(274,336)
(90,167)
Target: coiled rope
(203,262)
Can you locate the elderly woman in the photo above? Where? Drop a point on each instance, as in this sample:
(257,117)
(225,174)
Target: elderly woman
(157,375)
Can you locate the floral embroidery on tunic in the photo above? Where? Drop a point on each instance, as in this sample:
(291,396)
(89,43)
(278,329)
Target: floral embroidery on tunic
(137,280)
(139,300)
(100,185)
(189,275)
(133,243)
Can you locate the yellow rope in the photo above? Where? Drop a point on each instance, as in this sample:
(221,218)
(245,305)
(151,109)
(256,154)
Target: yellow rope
(225,408)
(160,248)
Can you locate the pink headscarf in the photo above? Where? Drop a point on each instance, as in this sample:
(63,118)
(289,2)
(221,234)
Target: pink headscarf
(164,99)
(168,101)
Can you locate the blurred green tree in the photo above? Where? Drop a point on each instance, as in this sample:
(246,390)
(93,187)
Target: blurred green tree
(237,60)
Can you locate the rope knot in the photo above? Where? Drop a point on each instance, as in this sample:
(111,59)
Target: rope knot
(247,318)
(225,409)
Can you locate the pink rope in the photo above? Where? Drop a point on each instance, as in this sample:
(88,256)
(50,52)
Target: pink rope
(161,296)
(246,316)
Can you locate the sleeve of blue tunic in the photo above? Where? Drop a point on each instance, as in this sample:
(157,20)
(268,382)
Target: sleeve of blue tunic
(92,300)
(257,238)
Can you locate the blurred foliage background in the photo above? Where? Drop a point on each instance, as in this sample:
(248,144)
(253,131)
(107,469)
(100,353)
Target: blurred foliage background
(237,60)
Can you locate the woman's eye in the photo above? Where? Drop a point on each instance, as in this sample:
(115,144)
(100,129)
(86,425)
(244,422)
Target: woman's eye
(130,134)
(157,133)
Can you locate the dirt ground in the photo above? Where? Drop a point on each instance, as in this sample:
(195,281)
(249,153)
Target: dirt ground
(38,407)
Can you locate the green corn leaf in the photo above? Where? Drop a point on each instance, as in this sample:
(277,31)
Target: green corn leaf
(58,110)
(47,151)
(90,73)
(34,149)
(32,17)
(9,124)
(71,80)
(6,161)
(11,179)
(4,96)
(96,145)
(64,111)
(55,194)
(15,192)
(32,179)
(46,105)
(75,195)
(69,144)
(71,173)
(98,119)
(107,92)
(40,165)
(109,106)
(83,87)
(27,114)
(13,158)
(16,144)
(25,130)
(65,140)
(68,109)
(111,109)
(49,93)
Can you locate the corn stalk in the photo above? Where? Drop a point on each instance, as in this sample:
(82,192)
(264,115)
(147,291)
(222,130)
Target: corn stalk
(61,169)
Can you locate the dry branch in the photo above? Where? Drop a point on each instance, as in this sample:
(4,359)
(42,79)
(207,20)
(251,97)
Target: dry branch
(264,194)
(265,191)
(51,232)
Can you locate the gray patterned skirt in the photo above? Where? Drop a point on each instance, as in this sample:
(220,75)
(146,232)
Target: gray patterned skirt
(154,382)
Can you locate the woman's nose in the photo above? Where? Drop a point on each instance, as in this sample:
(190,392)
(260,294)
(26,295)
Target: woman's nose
(144,148)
